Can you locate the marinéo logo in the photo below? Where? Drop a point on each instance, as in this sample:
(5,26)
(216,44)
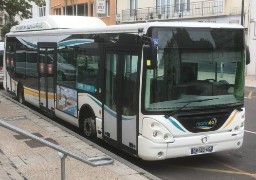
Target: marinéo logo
(206,124)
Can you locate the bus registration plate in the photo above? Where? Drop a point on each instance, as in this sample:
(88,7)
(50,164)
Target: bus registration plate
(201,150)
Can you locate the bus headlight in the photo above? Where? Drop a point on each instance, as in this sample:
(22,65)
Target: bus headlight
(155,134)
(155,131)
(242,124)
(239,126)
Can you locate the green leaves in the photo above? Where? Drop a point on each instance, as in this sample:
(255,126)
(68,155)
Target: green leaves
(6,28)
(12,8)
(22,8)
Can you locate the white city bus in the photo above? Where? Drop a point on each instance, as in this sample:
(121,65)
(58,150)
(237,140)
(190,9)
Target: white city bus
(157,90)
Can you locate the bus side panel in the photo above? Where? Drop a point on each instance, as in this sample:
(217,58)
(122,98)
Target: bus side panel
(31,96)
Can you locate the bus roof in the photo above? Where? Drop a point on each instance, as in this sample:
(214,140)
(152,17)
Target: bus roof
(75,25)
(57,22)
(145,26)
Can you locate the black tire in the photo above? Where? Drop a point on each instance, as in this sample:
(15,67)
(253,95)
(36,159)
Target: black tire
(20,95)
(89,127)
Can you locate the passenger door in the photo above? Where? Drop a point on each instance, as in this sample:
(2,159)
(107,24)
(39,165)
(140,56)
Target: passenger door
(121,98)
(47,55)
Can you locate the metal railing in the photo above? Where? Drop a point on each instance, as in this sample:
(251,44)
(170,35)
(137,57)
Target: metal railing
(203,8)
(63,153)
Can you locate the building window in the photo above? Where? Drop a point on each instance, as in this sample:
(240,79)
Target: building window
(57,11)
(68,10)
(91,9)
(82,9)
(108,8)
(182,6)
(42,10)
(162,6)
(77,10)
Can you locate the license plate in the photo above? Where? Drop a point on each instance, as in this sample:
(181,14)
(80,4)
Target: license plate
(201,150)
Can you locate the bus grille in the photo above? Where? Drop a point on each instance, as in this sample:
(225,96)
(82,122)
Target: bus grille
(203,122)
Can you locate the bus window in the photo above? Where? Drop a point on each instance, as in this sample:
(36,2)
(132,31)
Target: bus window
(1,61)
(31,65)
(20,62)
(87,72)
(129,83)
(110,75)
(10,60)
(66,72)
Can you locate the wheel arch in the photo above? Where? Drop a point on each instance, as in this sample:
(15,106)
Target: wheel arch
(85,111)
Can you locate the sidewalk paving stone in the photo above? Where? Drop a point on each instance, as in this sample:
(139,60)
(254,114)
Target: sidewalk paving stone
(22,159)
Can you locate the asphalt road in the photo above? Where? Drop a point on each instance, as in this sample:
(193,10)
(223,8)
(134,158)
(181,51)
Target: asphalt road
(234,164)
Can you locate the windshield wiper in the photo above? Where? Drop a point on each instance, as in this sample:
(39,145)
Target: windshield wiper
(187,103)
(235,103)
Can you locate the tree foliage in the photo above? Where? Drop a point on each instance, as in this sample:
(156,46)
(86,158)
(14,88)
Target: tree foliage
(12,8)
(6,28)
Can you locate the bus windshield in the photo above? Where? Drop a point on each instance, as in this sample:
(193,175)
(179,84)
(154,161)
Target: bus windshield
(194,65)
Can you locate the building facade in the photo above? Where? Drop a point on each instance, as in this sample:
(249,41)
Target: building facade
(104,9)
(168,10)
(41,10)
(251,41)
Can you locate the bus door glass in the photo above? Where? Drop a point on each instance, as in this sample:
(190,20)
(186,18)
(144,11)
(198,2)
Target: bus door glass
(46,62)
(1,62)
(121,98)
(9,63)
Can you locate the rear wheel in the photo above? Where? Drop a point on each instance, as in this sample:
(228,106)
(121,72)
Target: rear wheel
(89,127)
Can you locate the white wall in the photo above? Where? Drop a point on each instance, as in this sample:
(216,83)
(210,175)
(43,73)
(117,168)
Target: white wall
(122,5)
(35,9)
(125,4)
(251,68)
(146,3)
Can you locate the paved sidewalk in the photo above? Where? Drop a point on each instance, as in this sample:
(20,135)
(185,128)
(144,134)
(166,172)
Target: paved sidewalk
(23,158)
(250,81)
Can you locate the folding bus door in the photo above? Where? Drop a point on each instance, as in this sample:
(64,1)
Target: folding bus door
(47,56)
(120,121)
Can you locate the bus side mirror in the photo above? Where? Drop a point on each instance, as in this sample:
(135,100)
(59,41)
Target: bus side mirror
(150,56)
(248,60)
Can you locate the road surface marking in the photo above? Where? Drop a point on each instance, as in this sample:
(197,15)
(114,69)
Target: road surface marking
(250,132)
(250,95)
(237,171)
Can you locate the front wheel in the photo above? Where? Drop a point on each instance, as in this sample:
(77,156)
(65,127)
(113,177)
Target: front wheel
(89,127)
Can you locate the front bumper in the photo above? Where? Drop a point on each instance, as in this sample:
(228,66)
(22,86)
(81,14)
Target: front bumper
(182,146)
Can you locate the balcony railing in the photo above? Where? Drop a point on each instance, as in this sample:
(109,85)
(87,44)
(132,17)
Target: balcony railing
(198,9)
